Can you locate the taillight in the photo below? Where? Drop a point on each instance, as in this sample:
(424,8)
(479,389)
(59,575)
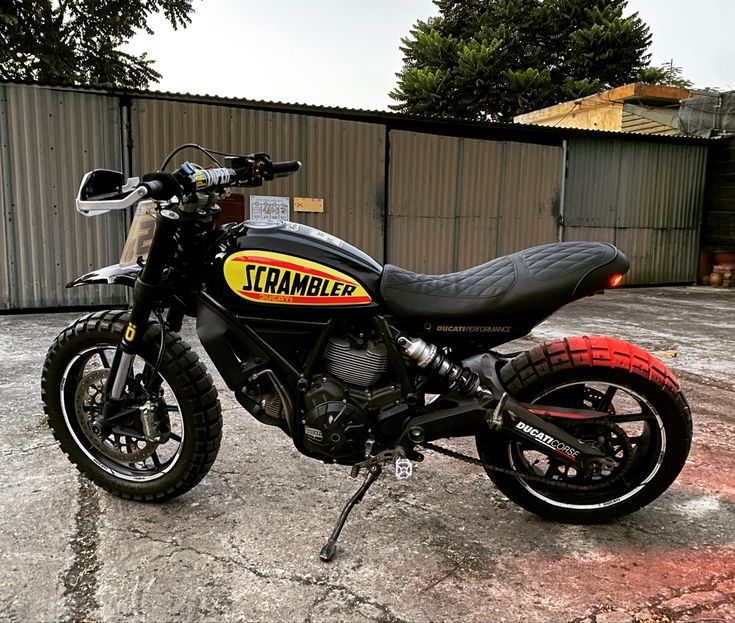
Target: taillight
(616,280)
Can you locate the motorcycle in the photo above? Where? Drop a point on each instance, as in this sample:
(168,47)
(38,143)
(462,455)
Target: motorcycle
(359,364)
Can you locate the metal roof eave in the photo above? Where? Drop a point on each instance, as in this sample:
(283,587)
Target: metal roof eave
(468,129)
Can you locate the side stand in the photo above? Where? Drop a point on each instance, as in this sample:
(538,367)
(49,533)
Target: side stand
(330,547)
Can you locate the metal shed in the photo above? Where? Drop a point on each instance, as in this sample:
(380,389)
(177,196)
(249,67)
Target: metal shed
(646,198)
(48,139)
(429,195)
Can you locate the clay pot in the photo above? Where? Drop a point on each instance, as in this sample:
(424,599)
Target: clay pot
(715,280)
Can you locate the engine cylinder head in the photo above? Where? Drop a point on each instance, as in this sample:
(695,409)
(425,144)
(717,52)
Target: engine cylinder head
(357,366)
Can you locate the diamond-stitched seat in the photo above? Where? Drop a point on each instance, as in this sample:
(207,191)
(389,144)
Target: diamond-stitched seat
(545,277)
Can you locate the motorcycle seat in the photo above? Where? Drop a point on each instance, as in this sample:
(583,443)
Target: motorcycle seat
(540,278)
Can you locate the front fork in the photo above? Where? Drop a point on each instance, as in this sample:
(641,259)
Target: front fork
(146,293)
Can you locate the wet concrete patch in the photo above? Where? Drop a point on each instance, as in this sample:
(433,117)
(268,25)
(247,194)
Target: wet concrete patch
(80,579)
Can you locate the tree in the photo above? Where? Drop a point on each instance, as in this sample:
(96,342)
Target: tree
(668,74)
(492,59)
(78,41)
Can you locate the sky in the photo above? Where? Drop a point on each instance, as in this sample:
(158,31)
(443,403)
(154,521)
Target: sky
(345,53)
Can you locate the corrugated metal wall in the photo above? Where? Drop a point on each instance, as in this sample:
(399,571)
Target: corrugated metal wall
(452,202)
(48,139)
(456,202)
(646,198)
(7,242)
(718,231)
(344,161)
(424,176)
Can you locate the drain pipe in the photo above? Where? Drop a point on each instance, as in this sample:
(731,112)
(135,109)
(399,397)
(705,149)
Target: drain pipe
(562,190)
(126,134)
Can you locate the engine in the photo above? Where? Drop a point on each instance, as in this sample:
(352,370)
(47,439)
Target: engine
(361,364)
(342,402)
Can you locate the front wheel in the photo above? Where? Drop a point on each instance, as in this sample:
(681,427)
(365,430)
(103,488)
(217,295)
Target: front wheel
(647,433)
(179,404)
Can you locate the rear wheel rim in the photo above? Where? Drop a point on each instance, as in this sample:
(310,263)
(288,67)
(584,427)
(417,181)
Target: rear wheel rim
(633,413)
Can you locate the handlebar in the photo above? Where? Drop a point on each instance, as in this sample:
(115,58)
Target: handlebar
(281,169)
(250,170)
(102,190)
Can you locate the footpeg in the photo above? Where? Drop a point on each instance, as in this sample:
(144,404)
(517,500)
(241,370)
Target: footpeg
(386,456)
(404,468)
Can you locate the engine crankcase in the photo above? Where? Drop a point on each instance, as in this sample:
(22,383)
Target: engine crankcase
(335,426)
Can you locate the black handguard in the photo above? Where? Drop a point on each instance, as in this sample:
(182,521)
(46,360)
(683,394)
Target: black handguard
(161,185)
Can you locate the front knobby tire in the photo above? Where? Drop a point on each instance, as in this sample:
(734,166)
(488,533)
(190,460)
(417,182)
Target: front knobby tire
(122,461)
(645,402)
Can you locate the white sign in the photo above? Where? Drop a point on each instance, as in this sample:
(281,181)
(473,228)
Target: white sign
(263,208)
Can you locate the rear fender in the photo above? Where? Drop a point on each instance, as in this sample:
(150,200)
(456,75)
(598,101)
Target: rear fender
(115,274)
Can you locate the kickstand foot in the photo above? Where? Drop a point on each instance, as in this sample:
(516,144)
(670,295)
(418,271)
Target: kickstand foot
(330,547)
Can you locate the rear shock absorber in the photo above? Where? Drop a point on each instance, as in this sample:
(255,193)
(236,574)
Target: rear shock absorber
(429,357)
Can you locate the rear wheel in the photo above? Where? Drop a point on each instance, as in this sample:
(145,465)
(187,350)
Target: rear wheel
(179,404)
(647,433)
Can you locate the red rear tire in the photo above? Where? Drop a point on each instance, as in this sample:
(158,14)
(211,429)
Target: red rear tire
(646,402)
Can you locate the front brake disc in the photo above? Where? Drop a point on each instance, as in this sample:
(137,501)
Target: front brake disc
(88,403)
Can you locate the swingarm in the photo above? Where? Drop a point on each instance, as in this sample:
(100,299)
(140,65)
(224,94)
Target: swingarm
(533,424)
(491,406)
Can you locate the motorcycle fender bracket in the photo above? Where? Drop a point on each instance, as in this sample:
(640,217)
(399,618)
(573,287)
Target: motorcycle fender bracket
(517,421)
(110,275)
(526,426)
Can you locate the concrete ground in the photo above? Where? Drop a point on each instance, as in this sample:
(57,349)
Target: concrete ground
(443,546)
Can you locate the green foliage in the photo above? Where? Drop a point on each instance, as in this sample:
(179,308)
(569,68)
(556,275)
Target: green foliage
(492,59)
(667,74)
(77,41)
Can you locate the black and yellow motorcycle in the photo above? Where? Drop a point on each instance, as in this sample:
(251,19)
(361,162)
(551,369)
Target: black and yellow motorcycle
(359,364)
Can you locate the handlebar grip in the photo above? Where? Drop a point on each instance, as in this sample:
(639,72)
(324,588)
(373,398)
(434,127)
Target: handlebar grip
(285,167)
(161,186)
(155,189)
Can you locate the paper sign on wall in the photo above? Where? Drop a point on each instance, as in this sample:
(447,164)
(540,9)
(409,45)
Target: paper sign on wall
(308,204)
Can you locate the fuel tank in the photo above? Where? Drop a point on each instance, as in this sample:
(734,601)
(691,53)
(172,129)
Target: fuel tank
(286,269)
